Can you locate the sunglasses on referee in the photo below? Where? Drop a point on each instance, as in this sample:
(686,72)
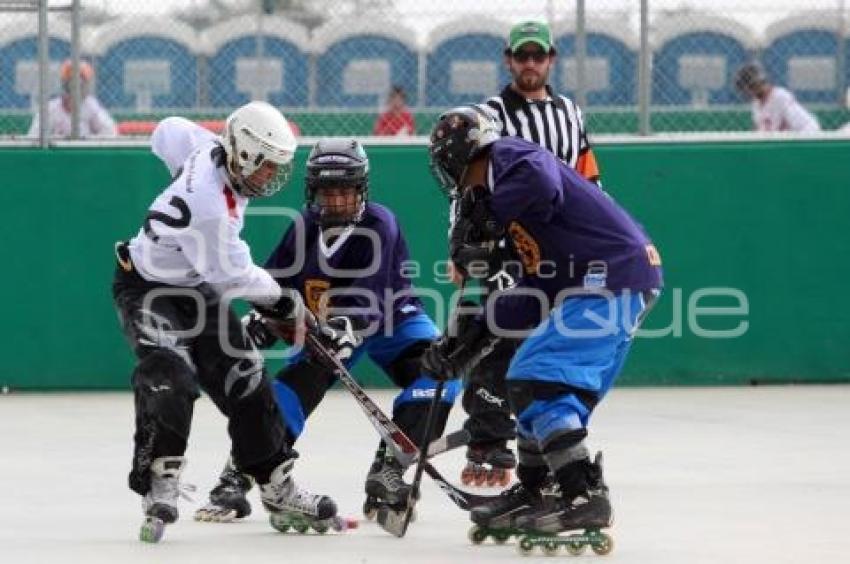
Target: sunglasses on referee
(524,55)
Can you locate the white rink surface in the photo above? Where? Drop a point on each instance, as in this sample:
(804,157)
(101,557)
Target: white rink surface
(697,475)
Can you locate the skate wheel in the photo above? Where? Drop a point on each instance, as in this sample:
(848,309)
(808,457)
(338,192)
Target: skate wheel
(550,548)
(301,528)
(501,537)
(320,528)
(467,476)
(370,509)
(152,530)
(604,545)
(575,548)
(278,523)
(525,546)
(477,535)
(480,476)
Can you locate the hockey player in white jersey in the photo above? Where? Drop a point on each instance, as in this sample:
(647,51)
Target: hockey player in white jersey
(773,108)
(172,288)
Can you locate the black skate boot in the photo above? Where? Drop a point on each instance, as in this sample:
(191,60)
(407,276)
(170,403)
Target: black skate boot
(385,485)
(228,499)
(488,464)
(587,509)
(160,503)
(498,517)
(292,507)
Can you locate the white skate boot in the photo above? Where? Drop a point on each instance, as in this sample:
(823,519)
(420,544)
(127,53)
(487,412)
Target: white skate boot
(160,503)
(292,507)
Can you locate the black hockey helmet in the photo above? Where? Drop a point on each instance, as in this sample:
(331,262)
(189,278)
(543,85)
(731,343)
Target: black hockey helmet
(337,181)
(459,136)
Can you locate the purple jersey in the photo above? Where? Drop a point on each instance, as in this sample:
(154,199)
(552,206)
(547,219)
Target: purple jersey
(568,233)
(357,272)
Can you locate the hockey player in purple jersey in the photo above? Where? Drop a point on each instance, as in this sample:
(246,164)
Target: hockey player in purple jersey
(345,255)
(590,274)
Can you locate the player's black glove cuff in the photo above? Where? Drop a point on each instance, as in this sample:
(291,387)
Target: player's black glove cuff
(452,357)
(288,307)
(256,329)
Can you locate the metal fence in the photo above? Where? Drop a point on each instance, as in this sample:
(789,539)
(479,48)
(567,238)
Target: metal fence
(635,66)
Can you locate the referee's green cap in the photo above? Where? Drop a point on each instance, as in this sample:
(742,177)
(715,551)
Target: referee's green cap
(530,32)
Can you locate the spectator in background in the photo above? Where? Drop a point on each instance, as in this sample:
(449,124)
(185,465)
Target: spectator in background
(396,119)
(774,108)
(95,121)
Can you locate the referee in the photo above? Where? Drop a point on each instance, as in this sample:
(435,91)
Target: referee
(527,108)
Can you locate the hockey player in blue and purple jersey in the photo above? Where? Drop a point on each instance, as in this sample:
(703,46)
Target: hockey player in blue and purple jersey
(589,274)
(345,255)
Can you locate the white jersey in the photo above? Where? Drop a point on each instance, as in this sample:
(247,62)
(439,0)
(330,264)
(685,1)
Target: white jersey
(175,138)
(95,121)
(782,112)
(191,233)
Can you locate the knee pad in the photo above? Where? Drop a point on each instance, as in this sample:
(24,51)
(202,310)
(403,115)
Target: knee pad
(164,384)
(165,390)
(411,418)
(406,368)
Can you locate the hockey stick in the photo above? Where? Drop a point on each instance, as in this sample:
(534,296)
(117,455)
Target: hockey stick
(404,449)
(395,437)
(398,522)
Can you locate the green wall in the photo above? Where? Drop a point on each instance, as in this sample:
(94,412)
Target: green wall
(766,218)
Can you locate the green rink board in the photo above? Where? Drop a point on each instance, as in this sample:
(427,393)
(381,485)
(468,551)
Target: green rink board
(765,219)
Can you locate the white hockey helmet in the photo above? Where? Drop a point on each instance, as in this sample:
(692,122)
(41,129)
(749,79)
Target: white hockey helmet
(255,134)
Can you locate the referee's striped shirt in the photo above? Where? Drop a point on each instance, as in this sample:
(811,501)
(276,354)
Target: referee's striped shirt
(555,124)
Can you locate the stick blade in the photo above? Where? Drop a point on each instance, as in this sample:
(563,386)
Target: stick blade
(392,521)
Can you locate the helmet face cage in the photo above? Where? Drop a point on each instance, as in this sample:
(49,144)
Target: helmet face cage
(254,135)
(457,138)
(338,165)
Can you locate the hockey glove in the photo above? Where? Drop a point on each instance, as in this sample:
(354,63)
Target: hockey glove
(256,329)
(338,334)
(452,357)
(288,317)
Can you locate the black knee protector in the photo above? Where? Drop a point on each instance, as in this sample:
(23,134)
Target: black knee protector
(165,390)
(407,366)
(412,417)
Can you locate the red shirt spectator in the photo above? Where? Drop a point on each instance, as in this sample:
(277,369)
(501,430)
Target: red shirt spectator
(396,119)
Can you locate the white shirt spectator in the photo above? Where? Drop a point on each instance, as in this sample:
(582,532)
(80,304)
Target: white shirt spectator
(95,121)
(782,112)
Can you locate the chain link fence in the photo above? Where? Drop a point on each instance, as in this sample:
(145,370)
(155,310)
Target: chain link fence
(636,67)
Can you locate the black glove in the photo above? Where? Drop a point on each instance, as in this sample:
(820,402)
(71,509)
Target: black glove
(474,240)
(256,329)
(286,318)
(455,354)
(474,209)
(339,335)
(288,307)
